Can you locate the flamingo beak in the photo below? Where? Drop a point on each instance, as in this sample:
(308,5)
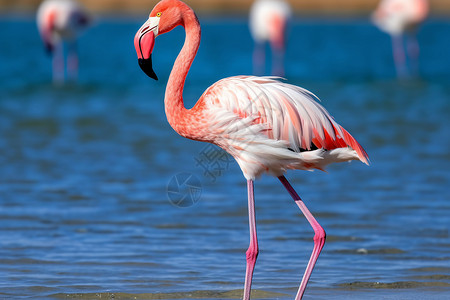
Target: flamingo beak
(144,41)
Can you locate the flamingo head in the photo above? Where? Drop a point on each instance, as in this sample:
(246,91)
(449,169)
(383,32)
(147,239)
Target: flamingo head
(165,16)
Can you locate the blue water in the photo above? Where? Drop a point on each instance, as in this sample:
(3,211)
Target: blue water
(88,207)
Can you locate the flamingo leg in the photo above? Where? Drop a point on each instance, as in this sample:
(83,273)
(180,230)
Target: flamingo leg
(399,55)
(259,58)
(72,62)
(319,236)
(252,251)
(58,64)
(278,62)
(413,52)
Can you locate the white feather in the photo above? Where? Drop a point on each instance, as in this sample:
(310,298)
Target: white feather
(260,121)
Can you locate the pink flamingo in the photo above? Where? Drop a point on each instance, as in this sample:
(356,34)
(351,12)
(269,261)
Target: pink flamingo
(268,22)
(59,21)
(266,125)
(397,18)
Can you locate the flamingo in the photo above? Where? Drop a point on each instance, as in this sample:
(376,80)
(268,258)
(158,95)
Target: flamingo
(268,126)
(399,18)
(268,22)
(61,21)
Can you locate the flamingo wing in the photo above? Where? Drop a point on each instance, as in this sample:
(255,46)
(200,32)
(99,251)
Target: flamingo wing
(278,112)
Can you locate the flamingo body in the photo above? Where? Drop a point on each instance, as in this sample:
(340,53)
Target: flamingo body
(265,124)
(271,126)
(61,21)
(398,16)
(268,22)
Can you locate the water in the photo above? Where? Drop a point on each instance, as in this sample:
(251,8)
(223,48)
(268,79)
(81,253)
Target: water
(85,170)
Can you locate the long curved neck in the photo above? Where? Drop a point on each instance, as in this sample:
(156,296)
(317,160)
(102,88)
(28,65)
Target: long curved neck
(176,113)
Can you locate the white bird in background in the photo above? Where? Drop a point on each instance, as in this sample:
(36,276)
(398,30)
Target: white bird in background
(268,22)
(399,18)
(60,22)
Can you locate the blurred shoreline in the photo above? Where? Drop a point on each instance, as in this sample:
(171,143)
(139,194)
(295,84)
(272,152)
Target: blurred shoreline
(312,7)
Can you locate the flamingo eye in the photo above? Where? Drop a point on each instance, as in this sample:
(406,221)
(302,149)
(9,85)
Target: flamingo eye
(158,14)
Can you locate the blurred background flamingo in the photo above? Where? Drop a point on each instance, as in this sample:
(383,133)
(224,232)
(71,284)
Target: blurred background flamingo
(268,24)
(401,18)
(60,23)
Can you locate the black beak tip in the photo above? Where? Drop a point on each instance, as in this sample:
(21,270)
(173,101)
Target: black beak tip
(146,66)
